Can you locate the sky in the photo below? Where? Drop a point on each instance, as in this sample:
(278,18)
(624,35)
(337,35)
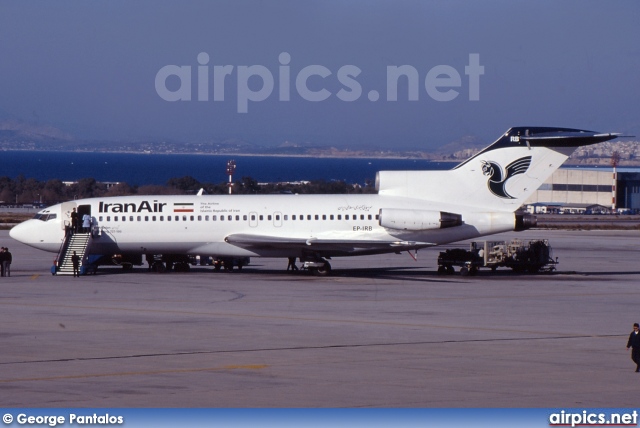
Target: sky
(371,74)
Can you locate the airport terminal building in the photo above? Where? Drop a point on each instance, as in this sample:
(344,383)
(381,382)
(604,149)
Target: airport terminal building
(593,190)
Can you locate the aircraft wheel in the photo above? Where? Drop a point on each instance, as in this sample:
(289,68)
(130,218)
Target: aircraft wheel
(464,271)
(323,270)
(534,269)
(182,267)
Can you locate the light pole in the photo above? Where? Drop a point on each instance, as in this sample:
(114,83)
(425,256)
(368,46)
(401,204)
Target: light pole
(231,168)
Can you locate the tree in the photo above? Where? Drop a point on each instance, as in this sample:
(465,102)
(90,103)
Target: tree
(54,191)
(186,183)
(248,185)
(154,189)
(120,189)
(88,188)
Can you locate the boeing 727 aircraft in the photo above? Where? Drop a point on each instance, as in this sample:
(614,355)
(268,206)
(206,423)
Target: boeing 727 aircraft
(412,210)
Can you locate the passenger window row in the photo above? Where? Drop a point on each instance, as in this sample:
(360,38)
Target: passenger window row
(254,217)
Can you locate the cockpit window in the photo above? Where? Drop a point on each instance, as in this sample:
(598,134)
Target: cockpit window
(45,216)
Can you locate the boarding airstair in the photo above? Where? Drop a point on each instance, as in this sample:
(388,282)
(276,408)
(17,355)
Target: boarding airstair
(77,242)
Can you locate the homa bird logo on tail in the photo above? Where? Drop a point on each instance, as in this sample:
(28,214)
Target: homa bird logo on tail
(498,179)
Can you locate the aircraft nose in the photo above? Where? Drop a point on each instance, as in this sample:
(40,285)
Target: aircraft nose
(20,232)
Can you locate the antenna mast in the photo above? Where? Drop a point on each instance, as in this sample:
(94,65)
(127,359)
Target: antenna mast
(231,168)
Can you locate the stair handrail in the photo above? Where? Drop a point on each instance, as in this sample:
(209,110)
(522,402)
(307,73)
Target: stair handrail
(63,249)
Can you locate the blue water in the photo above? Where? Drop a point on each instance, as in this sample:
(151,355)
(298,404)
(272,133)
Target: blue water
(141,169)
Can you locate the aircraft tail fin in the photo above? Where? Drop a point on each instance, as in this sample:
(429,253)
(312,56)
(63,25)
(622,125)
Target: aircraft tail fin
(501,176)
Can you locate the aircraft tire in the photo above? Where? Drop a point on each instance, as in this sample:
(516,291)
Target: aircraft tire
(324,270)
(534,269)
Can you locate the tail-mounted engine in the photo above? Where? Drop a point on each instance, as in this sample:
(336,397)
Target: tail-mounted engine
(416,220)
(525,221)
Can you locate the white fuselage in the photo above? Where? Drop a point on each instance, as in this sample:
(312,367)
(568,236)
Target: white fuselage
(412,210)
(200,225)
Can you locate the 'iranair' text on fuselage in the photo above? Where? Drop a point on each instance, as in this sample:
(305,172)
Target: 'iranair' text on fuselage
(144,206)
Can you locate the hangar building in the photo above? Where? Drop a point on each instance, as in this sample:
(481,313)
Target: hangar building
(584,187)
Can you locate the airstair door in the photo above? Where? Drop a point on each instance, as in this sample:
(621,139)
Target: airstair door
(82,211)
(67,208)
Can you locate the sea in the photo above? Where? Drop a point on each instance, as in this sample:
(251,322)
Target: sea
(137,169)
(147,169)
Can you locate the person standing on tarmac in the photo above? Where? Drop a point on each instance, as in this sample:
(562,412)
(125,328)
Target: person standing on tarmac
(3,256)
(634,344)
(292,264)
(6,262)
(75,261)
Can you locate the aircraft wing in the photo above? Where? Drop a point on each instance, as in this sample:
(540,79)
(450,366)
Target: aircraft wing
(246,240)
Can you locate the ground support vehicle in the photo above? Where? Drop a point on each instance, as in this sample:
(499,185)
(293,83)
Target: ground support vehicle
(522,256)
(229,263)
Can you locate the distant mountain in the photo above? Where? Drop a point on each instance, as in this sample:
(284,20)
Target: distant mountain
(462,148)
(20,135)
(19,130)
(463,143)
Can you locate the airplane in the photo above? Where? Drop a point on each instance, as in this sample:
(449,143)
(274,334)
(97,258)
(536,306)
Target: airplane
(412,210)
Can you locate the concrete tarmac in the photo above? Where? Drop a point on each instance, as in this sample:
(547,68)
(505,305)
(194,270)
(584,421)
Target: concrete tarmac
(383,331)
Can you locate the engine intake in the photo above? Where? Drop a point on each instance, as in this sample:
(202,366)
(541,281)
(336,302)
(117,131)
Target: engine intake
(416,220)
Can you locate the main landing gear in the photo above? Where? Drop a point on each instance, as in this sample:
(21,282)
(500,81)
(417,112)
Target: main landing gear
(318,267)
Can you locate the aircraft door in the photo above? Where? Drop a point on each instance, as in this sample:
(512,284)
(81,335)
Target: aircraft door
(82,210)
(253,219)
(66,209)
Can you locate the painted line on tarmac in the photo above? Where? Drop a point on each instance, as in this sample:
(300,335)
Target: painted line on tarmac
(319,347)
(139,373)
